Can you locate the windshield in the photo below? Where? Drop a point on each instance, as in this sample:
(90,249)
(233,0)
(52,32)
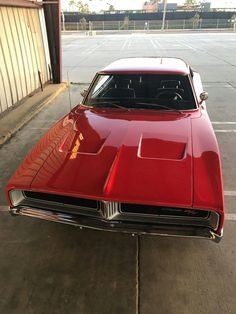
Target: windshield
(141,91)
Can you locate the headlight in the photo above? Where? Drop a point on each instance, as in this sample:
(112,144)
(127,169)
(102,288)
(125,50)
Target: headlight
(16,197)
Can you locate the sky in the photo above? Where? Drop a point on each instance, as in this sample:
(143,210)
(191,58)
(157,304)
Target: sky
(98,5)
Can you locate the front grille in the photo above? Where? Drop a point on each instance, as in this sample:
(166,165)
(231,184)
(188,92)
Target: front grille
(162,211)
(143,215)
(62,199)
(170,215)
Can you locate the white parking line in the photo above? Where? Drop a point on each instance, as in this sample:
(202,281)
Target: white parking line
(230,193)
(225,131)
(186,45)
(92,49)
(130,42)
(220,85)
(154,45)
(124,44)
(219,122)
(230,216)
(4,208)
(157,42)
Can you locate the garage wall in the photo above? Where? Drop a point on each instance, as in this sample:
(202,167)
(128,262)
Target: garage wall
(23,53)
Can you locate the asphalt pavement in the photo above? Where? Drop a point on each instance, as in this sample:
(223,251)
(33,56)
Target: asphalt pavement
(51,268)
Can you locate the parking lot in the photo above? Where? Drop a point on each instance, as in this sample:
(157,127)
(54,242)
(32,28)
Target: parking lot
(52,268)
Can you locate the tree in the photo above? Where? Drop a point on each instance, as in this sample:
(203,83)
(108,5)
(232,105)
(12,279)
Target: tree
(151,6)
(190,3)
(196,20)
(82,7)
(111,8)
(79,5)
(156,2)
(83,24)
(72,4)
(126,22)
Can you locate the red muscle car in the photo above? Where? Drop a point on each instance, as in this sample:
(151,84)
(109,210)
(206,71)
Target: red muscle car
(137,155)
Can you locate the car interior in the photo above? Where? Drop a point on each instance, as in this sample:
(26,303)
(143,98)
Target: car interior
(139,90)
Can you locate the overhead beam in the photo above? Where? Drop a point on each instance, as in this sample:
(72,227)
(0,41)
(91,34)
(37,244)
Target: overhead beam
(52,12)
(20,3)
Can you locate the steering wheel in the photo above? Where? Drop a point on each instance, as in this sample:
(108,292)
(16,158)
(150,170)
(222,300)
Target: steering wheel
(170,95)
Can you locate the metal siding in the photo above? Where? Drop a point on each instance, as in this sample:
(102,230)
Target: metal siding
(14,50)
(6,43)
(5,87)
(40,47)
(23,52)
(25,44)
(3,94)
(47,61)
(29,42)
(37,41)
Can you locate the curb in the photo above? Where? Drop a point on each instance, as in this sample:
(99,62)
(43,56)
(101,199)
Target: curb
(32,114)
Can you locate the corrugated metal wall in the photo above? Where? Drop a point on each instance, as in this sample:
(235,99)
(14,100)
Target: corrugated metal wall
(23,53)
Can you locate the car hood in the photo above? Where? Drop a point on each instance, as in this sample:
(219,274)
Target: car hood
(142,156)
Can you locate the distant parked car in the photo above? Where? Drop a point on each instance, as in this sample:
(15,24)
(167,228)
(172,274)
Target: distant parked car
(138,155)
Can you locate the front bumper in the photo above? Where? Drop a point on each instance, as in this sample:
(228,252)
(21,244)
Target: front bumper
(116,226)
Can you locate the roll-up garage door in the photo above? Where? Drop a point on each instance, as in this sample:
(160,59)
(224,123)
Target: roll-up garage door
(24,53)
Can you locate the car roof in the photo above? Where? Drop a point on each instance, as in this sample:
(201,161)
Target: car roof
(152,65)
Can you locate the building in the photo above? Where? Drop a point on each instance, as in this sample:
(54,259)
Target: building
(150,6)
(169,6)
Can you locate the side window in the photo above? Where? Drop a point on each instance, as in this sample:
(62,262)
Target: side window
(102,84)
(197,82)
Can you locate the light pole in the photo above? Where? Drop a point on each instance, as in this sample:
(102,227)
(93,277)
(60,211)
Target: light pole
(63,20)
(164,15)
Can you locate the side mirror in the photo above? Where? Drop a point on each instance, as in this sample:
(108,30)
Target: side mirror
(203,97)
(83,93)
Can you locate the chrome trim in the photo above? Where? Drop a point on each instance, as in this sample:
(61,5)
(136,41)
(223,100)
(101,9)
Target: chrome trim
(116,226)
(109,210)
(16,196)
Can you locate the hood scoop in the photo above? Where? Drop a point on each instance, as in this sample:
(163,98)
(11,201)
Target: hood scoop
(87,142)
(156,146)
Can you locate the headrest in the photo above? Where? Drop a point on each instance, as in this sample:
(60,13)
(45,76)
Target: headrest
(170,84)
(120,93)
(122,83)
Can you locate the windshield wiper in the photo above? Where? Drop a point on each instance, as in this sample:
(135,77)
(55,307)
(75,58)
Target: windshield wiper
(109,103)
(157,105)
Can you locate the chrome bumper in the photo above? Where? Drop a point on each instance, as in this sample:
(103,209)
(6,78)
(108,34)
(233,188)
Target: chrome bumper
(116,226)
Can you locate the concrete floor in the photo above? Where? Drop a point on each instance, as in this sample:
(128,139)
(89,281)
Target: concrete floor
(51,268)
